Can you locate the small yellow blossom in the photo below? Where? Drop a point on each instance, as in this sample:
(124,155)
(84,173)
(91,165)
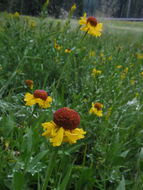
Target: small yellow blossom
(85,100)
(39,97)
(96,109)
(7,144)
(139,55)
(73,7)
(137,94)
(119,66)
(57,46)
(16,14)
(109,58)
(29,83)
(32,24)
(141,74)
(132,81)
(67,50)
(126,70)
(92,53)
(47,3)
(90,25)
(101,55)
(94,72)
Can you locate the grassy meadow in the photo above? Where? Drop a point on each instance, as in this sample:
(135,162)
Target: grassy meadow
(108,69)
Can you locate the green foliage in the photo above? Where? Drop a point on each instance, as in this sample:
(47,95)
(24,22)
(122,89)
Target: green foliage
(111,154)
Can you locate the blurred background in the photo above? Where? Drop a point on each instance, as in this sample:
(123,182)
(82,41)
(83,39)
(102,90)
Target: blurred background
(60,8)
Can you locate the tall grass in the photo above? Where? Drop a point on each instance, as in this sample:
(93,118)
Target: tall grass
(110,157)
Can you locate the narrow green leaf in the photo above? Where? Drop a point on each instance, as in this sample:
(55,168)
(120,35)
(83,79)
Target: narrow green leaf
(66,178)
(121,186)
(18,181)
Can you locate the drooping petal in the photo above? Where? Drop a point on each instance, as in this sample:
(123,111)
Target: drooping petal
(49,128)
(58,138)
(72,136)
(29,99)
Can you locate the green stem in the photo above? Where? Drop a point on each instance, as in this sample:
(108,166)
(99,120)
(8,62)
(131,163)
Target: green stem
(50,169)
(62,73)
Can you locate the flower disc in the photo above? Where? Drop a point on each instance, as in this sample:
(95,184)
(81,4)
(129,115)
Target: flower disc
(40,94)
(67,118)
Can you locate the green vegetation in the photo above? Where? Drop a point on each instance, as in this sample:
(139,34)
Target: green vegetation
(110,157)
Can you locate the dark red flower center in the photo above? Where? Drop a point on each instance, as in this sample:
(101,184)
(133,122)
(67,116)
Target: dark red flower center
(66,118)
(98,106)
(40,94)
(29,82)
(92,20)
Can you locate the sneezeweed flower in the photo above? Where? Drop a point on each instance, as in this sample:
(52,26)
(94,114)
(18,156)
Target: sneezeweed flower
(96,109)
(57,46)
(137,94)
(90,25)
(96,72)
(109,58)
(132,81)
(16,14)
(141,74)
(47,3)
(64,127)
(29,83)
(119,66)
(39,97)
(139,56)
(101,55)
(32,24)
(126,70)
(91,53)
(67,50)
(73,7)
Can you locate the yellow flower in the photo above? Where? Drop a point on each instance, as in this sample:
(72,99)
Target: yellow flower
(39,97)
(64,127)
(16,14)
(73,7)
(126,70)
(96,109)
(90,25)
(101,55)
(85,100)
(7,144)
(132,81)
(110,58)
(29,83)
(92,53)
(119,66)
(32,24)
(139,56)
(67,50)
(137,94)
(58,47)
(47,3)
(94,72)
(141,74)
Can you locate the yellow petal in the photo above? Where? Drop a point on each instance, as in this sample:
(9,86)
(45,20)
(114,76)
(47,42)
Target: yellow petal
(49,128)
(29,99)
(73,135)
(58,138)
